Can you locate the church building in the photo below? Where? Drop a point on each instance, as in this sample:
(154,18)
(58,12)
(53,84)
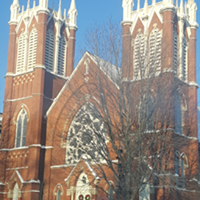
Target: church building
(52,111)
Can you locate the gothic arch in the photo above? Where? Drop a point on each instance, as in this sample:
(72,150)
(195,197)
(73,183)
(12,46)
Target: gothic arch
(58,187)
(86,98)
(22,106)
(86,135)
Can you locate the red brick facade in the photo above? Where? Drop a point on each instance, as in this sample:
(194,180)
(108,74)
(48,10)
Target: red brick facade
(51,101)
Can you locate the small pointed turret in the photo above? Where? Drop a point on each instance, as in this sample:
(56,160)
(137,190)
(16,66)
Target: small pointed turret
(72,13)
(14,9)
(176,3)
(59,11)
(181,7)
(43,4)
(28,5)
(146,7)
(190,1)
(138,5)
(127,9)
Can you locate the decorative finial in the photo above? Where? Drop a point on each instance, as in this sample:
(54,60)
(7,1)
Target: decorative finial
(153,2)
(28,5)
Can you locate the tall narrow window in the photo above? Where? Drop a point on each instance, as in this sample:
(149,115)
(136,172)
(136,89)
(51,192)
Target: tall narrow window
(49,49)
(154,51)
(176,166)
(58,195)
(32,49)
(110,192)
(145,117)
(20,139)
(62,55)
(178,114)
(21,54)
(139,56)
(15,192)
(144,193)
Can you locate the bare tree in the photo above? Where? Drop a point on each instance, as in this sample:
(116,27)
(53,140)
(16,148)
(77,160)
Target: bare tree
(126,129)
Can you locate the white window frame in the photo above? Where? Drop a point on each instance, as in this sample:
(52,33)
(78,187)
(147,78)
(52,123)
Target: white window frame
(23,126)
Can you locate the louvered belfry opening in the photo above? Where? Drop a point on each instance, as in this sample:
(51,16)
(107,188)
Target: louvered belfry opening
(175,48)
(32,49)
(62,55)
(49,51)
(21,54)
(139,56)
(184,60)
(155,51)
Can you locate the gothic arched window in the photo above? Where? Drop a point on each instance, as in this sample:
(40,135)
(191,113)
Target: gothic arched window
(20,139)
(144,193)
(86,135)
(178,114)
(176,166)
(110,192)
(145,117)
(58,194)
(21,54)
(49,50)
(155,51)
(83,187)
(139,56)
(32,49)
(15,192)
(62,55)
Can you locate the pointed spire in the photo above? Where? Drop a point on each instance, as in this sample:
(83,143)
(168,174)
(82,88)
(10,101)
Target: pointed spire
(181,7)
(14,9)
(59,11)
(72,6)
(28,5)
(153,2)
(15,2)
(138,5)
(190,1)
(176,3)
(72,13)
(43,4)
(146,7)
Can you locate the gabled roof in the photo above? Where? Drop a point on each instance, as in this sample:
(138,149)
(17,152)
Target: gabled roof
(83,158)
(112,72)
(109,69)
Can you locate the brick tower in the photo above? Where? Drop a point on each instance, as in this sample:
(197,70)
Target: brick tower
(163,35)
(40,59)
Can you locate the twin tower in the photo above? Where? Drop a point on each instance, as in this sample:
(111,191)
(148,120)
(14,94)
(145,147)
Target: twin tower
(41,62)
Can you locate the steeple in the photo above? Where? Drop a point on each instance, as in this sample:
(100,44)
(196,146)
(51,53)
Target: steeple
(127,9)
(72,13)
(14,9)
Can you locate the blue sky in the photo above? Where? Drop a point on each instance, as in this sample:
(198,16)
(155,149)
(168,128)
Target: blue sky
(90,12)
